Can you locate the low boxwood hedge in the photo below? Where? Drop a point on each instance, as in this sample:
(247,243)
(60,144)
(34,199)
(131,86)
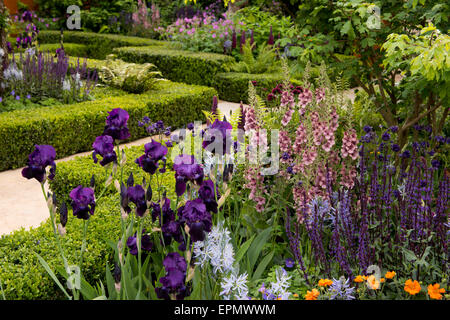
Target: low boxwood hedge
(233,86)
(178,65)
(72,49)
(73,128)
(78,171)
(99,44)
(21,273)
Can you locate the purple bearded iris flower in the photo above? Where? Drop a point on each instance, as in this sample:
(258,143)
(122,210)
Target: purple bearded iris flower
(186,169)
(116,124)
(197,218)
(208,196)
(167,212)
(83,202)
(41,157)
(154,152)
(104,146)
(136,195)
(219,130)
(173,283)
(146,243)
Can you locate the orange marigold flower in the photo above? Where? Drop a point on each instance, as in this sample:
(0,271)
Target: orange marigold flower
(435,292)
(359,279)
(295,295)
(373,283)
(390,274)
(382,280)
(365,277)
(412,287)
(312,295)
(325,282)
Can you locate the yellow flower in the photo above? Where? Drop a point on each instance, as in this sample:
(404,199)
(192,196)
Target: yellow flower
(359,279)
(373,283)
(365,277)
(435,292)
(412,287)
(312,295)
(325,282)
(390,274)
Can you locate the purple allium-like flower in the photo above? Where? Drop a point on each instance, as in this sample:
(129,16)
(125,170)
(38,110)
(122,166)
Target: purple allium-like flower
(208,195)
(116,124)
(394,129)
(83,202)
(367,129)
(186,169)
(289,262)
(386,136)
(395,147)
(222,130)
(197,218)
(190,126)
(136,195)
(436,163)
(406,154)
(41,157)
(146,243)
(173,282)
(104,146)
(154,152)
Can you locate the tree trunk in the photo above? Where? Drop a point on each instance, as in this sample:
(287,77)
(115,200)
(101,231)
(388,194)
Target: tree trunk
(3,40)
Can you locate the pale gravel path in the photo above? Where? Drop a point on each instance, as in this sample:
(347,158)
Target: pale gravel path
(22,203)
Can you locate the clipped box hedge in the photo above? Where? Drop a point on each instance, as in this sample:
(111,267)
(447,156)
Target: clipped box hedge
(79,171)
(72,49)
(233,86)
(21,273)
(73,128)
(178,65)
(99,44)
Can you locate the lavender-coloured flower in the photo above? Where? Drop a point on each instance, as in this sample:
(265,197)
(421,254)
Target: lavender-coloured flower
(116,124)
(104,146)
(41,157)
(83,202)
(341,290)
(289,262)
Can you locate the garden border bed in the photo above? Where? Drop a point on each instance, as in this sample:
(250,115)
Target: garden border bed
(72,128)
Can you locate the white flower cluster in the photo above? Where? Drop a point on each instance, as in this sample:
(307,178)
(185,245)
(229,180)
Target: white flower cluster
(12,73)
(234,287)
(278,289)
(216,249)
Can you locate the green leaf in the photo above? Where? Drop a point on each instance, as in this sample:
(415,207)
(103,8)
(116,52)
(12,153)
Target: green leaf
(52,275)
(255,249)
(262,266)
(243,249)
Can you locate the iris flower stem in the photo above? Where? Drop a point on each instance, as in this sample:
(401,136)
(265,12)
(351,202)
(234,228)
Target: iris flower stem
(58,242)
(83,245)
(139,241)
